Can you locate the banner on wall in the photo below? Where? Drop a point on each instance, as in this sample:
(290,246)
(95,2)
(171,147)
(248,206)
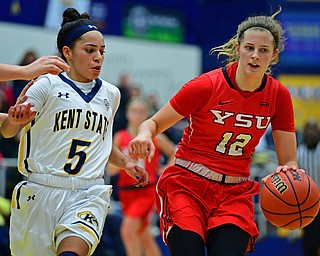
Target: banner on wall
(56,8)
(303,38)
(29,12)
(154,23)
(305,93)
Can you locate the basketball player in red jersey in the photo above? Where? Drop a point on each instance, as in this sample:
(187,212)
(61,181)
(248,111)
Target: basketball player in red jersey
(138,203)
(205,198)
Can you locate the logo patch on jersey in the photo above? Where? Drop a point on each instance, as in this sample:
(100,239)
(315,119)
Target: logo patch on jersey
(31,198)
(89,217)
(66,95)
(107,104)
(221,102)
(264,104)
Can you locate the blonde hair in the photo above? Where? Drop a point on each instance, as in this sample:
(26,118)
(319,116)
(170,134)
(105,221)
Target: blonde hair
(263,23)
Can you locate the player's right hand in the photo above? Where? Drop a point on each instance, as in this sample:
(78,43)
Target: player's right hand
(141,147)
(46,64)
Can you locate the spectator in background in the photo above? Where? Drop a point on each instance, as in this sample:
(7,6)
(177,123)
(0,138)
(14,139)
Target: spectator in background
(138,204)
(4,226)
(153,104)
(120,121)
(308,159)
(8,146)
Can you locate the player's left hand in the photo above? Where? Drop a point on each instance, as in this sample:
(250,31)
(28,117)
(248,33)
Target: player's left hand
(21,113)
(281,168)
(138,173)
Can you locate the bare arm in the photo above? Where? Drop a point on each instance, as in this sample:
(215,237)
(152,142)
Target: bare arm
(141,146)
(45,64)
(286,149)
(120,160)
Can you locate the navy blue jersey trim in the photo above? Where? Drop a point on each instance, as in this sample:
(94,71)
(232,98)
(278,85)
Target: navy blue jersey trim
(263,83)
(18,194)
(226,76)
(85,224)
(87,98)
(26,165)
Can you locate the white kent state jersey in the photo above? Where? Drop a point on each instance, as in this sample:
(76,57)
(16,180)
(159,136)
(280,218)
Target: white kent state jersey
(71,134)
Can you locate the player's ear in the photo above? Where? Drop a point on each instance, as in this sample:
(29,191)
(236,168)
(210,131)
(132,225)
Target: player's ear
(237,49)
(275,54)
(66,51)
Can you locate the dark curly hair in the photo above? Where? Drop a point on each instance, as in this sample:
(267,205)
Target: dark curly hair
(71,19)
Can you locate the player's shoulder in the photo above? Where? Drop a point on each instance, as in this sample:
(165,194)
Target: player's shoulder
(214,72)
(49,77)
(276,84)
(110,87)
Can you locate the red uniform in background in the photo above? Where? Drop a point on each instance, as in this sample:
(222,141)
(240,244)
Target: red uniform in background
(139,203)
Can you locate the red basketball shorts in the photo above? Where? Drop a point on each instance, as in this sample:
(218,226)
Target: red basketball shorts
(198,204)
(138,203)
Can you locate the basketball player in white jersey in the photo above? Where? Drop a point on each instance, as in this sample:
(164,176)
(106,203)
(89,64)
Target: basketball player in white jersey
(62,206)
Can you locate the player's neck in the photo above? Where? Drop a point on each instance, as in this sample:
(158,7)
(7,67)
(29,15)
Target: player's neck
(247,82)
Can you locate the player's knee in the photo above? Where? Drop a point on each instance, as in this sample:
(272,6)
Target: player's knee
(227,240)
(185,242)
(68,254)
(128,229)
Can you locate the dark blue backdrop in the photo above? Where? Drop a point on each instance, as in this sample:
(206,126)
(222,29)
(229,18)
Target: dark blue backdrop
(206,23)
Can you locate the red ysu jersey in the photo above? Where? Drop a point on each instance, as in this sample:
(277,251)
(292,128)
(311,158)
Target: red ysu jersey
(226,124)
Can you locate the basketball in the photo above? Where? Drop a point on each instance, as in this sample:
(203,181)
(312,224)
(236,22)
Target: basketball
(290,199)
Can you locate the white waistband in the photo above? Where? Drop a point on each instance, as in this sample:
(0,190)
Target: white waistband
(64,182)
(208,173)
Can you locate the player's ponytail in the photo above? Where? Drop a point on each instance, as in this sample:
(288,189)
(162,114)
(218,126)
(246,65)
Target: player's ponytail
(72,28)
(264,23)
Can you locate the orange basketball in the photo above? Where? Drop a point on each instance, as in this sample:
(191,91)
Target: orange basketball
(290,199)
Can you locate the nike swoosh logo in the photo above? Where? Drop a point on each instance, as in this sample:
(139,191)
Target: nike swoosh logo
(224,102)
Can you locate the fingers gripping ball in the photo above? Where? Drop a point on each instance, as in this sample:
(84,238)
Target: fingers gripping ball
(290,199)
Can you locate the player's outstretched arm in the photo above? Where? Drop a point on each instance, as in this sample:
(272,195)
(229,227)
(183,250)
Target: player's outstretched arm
(45,64)
(120,160)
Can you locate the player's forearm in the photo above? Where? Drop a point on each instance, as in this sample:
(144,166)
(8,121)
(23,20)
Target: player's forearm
(12,72)
(117,158)
(9,130)
(148,128)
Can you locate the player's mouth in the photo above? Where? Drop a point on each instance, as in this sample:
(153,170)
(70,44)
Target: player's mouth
(254,66)
(96,69)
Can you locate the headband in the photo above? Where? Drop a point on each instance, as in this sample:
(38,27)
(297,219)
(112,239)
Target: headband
(77,32)
(259,26)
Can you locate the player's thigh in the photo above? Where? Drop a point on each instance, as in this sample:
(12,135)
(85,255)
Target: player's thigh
(85,216)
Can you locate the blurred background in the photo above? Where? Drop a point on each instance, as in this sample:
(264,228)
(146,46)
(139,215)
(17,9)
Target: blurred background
(153,48)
